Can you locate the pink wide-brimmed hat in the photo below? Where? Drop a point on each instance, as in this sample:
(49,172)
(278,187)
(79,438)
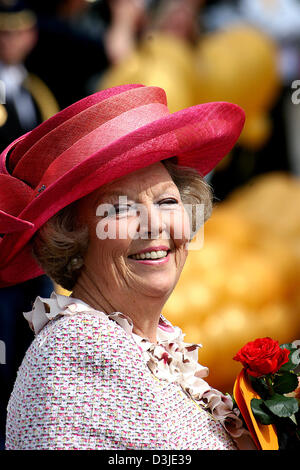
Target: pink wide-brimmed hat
(96,140)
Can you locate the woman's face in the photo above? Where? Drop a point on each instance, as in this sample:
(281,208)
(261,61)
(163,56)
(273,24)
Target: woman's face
(138,230)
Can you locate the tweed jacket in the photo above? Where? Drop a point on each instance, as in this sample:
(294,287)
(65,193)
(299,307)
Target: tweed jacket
(87,382)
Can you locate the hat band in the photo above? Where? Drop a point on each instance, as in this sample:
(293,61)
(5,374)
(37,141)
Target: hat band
(65,135)
(60,118)
(101,137)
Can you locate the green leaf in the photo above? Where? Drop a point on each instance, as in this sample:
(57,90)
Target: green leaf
(285,383)
(261,413)
(287,346)
(282,406)
(260,387)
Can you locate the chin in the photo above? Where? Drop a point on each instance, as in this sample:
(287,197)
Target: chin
(161,287)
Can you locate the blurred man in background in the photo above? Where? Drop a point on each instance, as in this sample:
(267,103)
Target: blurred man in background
(71,38)
(28,101)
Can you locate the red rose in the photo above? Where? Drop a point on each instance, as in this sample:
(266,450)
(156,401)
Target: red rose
(262,356)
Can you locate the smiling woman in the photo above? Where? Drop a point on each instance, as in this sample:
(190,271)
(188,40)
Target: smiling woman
(106,370)
(61,244)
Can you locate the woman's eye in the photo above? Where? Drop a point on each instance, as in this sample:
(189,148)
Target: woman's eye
(121,209)
(168,201)
(116,210)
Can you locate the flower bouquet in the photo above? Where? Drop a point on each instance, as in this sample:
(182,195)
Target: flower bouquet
(267,392)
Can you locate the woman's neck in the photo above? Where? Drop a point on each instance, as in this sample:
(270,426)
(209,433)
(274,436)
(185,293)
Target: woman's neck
(143,311)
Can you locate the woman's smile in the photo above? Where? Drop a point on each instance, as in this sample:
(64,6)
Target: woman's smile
(152,256)
(153,262)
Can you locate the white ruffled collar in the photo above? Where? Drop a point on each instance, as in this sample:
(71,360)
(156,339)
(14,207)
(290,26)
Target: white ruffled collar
(170,359)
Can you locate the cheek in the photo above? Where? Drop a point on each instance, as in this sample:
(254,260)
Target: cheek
(109,243)
(121,229)
(105,260)
(108,250)
(180,227)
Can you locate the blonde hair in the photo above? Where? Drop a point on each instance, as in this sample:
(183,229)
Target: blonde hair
(61,243)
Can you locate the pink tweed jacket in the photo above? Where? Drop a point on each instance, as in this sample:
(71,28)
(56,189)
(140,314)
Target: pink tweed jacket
(88,382)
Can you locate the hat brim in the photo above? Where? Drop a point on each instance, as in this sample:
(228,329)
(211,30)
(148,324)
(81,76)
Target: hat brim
(199,137)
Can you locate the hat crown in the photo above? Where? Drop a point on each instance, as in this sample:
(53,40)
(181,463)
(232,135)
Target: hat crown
(96,103)
(85,131)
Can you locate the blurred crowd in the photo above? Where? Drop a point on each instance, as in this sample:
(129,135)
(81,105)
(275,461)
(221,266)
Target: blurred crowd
(55,52)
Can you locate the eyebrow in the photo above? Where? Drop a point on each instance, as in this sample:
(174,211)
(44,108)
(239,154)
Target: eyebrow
(117,192)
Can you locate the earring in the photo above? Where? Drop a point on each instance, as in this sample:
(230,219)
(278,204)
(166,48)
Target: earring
(75,263)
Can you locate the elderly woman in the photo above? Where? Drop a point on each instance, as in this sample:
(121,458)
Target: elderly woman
(100,206)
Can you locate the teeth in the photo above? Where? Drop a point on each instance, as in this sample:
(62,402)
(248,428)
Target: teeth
(151,255)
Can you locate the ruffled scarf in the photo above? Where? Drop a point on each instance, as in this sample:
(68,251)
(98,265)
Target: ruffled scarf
(170,359)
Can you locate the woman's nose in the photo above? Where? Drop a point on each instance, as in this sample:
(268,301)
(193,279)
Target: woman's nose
(151,222)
